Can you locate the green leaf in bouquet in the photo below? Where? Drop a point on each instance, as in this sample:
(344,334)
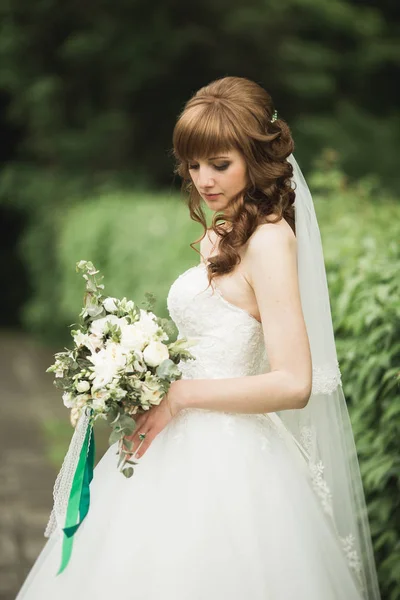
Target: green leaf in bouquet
(120,460)
(127,424)
(113,331)
(128,472)
(167,369)
(112,414)
(125,308)
(87,267)
(128,444)
(91,285)
(60,384)
(150,301)
(181,347)
(116,413)
(94,310)
(168,326)
(115,436)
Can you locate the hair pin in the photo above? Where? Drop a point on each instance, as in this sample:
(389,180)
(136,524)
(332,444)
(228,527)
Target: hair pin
(274,116)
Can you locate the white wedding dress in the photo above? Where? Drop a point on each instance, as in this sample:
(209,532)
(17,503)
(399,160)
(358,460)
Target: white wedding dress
(220,507)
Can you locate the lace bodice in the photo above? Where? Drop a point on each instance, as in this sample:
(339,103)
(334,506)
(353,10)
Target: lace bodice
(229,342)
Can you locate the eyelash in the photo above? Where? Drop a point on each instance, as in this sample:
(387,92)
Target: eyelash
(219,168)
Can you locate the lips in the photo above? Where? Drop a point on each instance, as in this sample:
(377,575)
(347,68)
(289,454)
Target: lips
(211,196)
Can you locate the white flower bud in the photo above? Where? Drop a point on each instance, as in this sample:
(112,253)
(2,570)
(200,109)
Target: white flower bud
(82,386)
(155,353)
(110,304)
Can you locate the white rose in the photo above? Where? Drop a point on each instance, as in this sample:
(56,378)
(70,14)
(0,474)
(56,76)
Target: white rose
(82,386)
(151,394)
(110,304)
(94,342)
(106,364)
(147,323)
(68,399)
(133,338)
(155,353)
(101,380)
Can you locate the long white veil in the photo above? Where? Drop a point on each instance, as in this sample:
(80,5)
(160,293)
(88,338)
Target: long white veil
(323,427)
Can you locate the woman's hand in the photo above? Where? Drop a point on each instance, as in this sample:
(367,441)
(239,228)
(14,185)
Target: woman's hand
(156,418)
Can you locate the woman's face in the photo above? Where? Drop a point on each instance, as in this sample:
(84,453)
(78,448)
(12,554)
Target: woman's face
(219,178)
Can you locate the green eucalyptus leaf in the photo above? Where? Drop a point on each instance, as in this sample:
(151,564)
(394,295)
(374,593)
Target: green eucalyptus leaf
(128,472)
(115,436)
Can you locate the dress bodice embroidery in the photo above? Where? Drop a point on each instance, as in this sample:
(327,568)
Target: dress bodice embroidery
(229,341)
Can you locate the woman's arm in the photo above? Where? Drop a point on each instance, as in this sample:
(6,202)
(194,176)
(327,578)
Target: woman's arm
(271,267)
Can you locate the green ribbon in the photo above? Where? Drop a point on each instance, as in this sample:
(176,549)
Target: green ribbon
(79,498)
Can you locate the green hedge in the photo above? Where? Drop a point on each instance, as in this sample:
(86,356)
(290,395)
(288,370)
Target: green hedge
(361,233)
(140,241)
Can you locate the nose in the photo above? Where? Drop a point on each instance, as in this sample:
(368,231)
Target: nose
(205,178)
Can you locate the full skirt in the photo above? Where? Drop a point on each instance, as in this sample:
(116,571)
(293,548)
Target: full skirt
(220,507)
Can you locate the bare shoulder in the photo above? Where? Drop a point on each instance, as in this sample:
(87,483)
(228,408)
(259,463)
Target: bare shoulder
(272,238)
(271,260)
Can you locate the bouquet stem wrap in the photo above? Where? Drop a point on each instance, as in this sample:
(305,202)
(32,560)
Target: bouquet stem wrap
(72,487)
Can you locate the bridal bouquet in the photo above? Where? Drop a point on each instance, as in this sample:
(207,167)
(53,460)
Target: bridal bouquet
(120,365)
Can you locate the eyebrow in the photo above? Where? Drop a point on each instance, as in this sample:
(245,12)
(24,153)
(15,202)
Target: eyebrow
(213,157)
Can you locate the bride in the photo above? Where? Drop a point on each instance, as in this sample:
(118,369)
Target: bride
(247,483)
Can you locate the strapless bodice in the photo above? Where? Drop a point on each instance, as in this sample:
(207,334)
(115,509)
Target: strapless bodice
(229,342)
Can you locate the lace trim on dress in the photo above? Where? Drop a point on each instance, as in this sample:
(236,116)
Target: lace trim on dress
(326,379)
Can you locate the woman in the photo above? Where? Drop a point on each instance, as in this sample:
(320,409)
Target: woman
(230,499)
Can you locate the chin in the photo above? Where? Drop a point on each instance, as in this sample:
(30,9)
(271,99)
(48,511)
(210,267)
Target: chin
(216,206)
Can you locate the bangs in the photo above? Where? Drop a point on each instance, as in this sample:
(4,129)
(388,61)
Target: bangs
(204,131)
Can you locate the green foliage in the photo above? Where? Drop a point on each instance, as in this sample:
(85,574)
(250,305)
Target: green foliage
(361,230)
(100,88)
(138,240)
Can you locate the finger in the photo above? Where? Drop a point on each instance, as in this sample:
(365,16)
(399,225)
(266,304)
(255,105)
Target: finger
(138,438)
(135,439)
(144,444)
(140,423)
(141,419)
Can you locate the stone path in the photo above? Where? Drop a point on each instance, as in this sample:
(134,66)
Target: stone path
(27,399)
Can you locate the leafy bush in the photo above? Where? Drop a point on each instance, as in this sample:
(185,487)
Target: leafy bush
(140,242)
(362,256)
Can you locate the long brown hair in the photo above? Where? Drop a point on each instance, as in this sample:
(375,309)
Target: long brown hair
(235,113)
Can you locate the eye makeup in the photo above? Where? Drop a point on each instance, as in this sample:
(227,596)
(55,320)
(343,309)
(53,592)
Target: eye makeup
(222,167)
